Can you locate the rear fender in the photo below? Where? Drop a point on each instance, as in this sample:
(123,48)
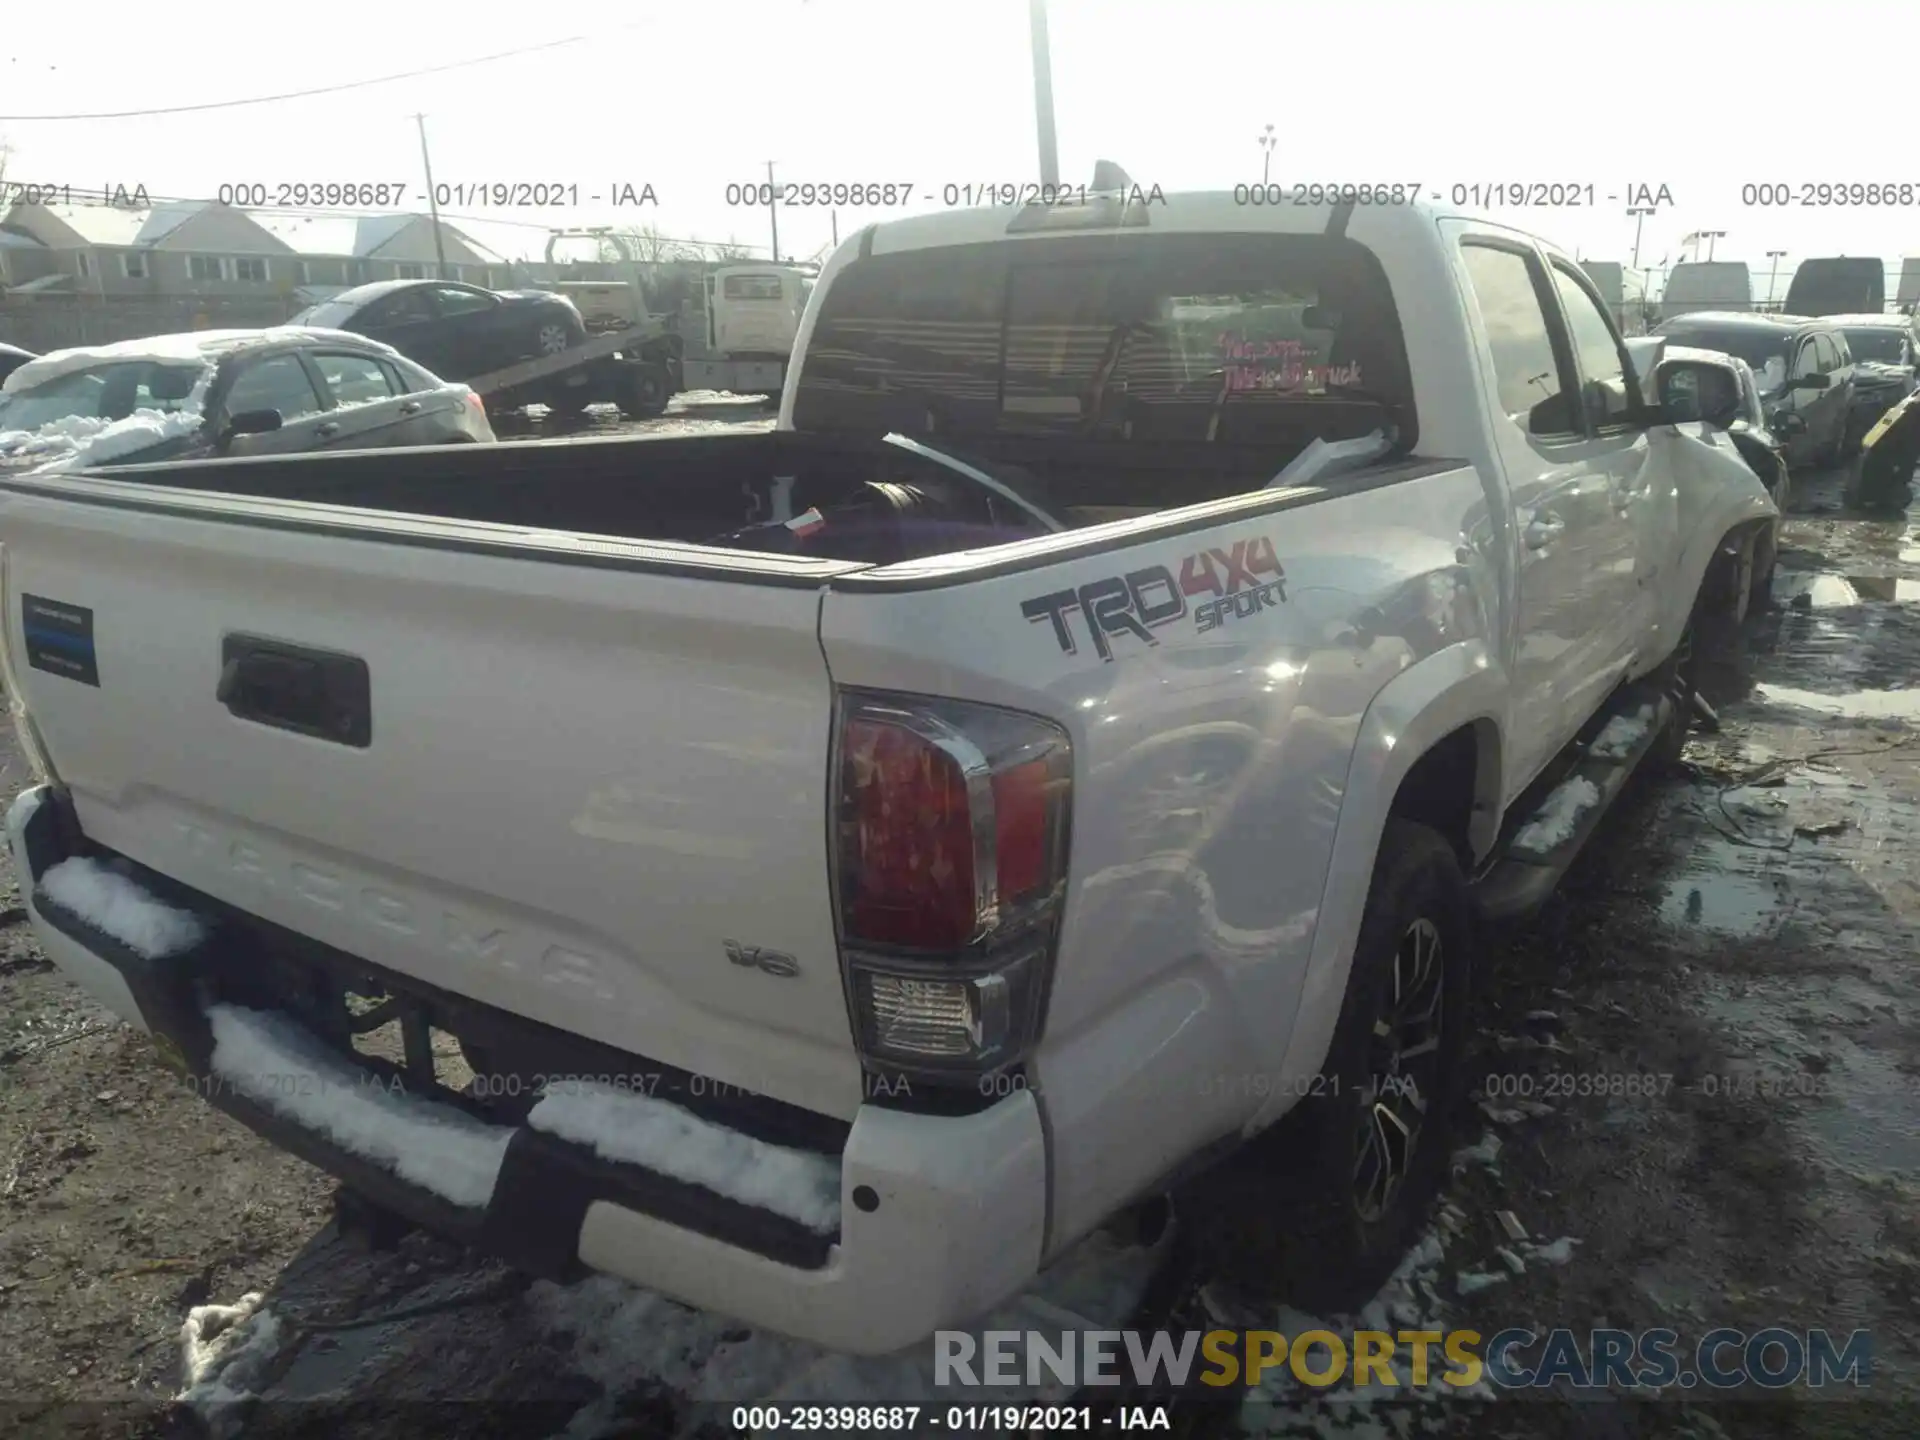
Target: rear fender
(1459,686)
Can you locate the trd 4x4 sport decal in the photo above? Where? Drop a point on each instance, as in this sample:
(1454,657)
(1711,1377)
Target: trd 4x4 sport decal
(1220,584)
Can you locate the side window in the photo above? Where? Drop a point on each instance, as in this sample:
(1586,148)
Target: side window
(1607,393)
(280,383)
(451,301)
(1533,390)
(402,379)
(353,379)
(1837,343)
(1806,360)
(403,307)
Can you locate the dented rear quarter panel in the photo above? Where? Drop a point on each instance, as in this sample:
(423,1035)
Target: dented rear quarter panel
(1211,773)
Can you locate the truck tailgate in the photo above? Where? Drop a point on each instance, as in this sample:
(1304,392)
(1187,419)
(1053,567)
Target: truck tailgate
(569,788)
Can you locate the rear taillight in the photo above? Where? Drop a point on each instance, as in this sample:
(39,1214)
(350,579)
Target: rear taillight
(950,840)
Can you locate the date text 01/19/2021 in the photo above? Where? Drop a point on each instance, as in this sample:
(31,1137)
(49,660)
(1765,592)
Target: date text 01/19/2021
(957,1419)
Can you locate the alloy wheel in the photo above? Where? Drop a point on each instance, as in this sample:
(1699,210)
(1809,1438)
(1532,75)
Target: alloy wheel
(552,339)
(1403,1071)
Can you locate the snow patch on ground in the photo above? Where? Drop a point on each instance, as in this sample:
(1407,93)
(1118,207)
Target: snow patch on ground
(623,1126)
(1553,823)
(121,907)
(1560,1252)
(275,1063)
(224,1352)
(1621,735)
(1410,1300)
(1484,1151)
(628,1339)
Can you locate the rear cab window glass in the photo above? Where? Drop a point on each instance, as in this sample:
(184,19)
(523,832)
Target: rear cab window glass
(1230,338)
(751,287)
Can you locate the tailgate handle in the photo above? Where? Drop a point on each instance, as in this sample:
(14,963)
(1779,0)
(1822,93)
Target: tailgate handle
(321,693)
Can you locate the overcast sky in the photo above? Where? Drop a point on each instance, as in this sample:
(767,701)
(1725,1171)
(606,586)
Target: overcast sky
(923,93)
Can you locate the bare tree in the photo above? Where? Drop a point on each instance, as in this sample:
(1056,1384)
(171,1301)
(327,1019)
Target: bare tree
(644,244)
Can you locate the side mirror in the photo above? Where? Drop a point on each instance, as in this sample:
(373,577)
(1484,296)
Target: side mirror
(1810,382)
(1690,392)
(249,422)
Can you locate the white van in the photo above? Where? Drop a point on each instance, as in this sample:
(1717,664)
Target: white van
(1707,285)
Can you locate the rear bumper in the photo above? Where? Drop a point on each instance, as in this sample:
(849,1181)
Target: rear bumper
(941,1218)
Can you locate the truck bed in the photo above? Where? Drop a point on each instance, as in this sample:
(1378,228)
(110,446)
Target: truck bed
(883,503)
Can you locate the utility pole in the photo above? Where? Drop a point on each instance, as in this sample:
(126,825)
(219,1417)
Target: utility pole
(773,212)
(834,217)
(1043,93)
(433,203)
(1640,213)
(1267,142)
(1773,274)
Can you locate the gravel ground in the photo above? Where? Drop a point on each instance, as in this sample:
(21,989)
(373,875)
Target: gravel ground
(1747,929)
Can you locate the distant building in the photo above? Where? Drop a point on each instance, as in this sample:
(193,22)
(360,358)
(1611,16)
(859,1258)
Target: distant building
(192,249)
(338,252)
(197,248)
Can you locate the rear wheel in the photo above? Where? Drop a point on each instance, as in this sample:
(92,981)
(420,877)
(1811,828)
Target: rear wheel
(1678,686)
(645,396)
(553,336)
(1328,1200)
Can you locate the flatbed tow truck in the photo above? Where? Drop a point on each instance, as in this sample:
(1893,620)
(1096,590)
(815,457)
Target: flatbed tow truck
(637,368)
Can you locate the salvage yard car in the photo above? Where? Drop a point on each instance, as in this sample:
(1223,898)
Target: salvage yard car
(1804,368)
(459,331)
(1886,365)
(226,392)
(1071,752)
(1721,391)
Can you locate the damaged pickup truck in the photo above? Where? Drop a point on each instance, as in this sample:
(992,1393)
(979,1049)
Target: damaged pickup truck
(823,876)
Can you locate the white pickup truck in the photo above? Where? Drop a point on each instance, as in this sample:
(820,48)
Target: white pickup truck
(858,860)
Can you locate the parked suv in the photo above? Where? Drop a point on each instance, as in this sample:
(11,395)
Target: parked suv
(1804,368)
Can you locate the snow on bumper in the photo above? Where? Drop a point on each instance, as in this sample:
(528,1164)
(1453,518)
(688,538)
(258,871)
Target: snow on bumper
(922,1223)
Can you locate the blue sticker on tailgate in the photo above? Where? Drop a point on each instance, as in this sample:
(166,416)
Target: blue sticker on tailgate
(59,638)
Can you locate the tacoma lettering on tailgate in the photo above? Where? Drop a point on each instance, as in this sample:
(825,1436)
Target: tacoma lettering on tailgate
(1214,586)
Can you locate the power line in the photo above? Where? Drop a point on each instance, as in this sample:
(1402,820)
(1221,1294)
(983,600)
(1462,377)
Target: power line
(320,90)
(300,212)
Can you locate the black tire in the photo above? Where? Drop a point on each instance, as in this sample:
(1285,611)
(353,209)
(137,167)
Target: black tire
(1766,555)
(1677,683)
(646,393)
(1328,1201)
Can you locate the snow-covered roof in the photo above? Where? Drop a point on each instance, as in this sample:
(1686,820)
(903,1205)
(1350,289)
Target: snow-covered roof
(164,219)
(101,224)
(193,345)
(9,240)
(374,231)
(361,236)
(312,234)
